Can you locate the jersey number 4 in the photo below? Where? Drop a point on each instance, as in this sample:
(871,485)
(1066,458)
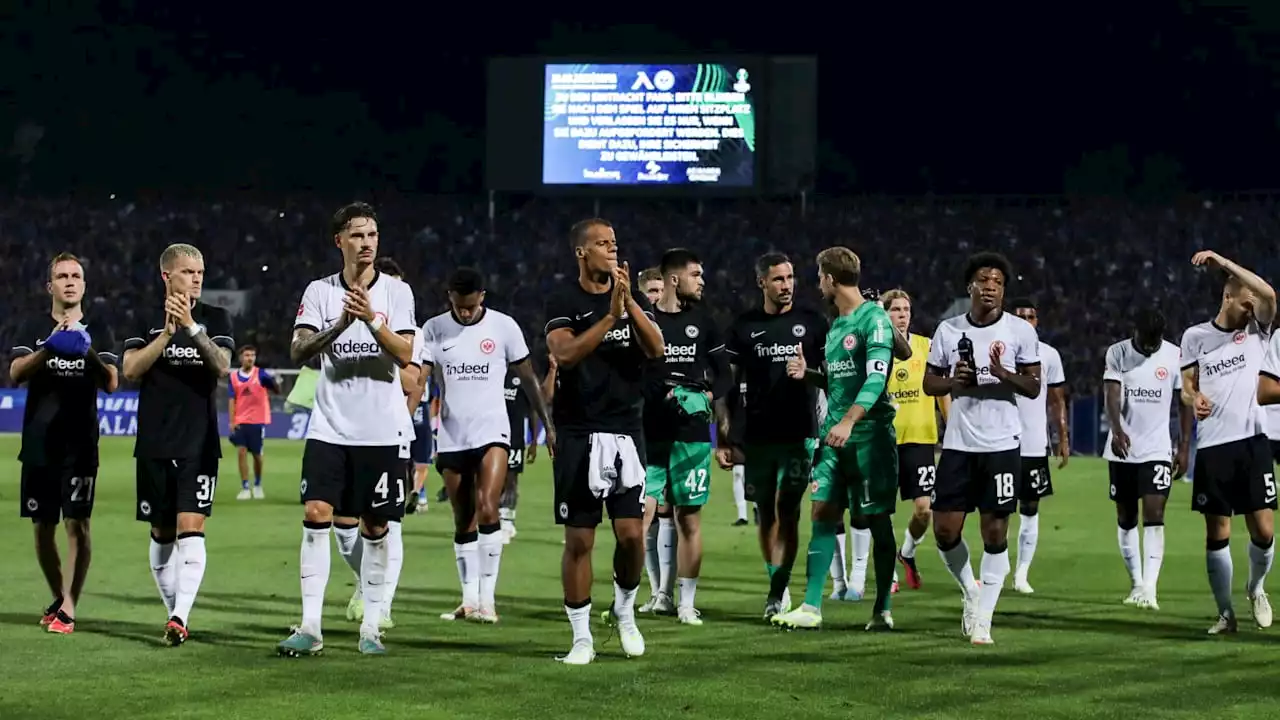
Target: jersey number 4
(383,489)
(696,483)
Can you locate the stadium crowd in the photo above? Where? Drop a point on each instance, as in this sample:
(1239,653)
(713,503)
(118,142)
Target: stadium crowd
(1087,263)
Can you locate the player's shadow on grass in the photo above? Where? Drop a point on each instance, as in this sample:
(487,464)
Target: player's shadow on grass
(148,634)
(1140,626)
(217,602)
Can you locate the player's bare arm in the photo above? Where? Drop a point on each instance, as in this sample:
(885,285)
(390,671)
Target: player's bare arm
(1058,415)
(418,388)
(1182,455)
(308,343)
(944,407)
(107,376)
(724,451)
(549,382)
(533,391)
(398,345)
(1191,395)
(901,345)
(137,362)
(1119,439)
(939,381)
(1264,296)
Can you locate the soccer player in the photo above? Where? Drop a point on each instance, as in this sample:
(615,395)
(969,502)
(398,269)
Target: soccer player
(781,433)
(469,350)
(360,322)
(983,359)
(652,284)
(63,357)
(249,408)
(521,451)
(1221,360)
(1139,384)
(678,406)
(1035,482)
(421,399)
(601,335)
(857,463)
(916,427)
(177,362)
(737,408)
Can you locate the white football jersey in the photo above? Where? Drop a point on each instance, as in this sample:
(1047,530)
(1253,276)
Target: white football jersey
(1034,412)
(471,361)
(1271,367)
(359,398)
(986,419)
(1228,362)
(1149,385)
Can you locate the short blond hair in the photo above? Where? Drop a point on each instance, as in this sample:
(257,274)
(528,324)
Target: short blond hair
(178,250)
(650,275)
(895,294)
(842,264)
(61,258)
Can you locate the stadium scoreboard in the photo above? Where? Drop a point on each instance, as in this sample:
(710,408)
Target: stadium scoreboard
(714,126)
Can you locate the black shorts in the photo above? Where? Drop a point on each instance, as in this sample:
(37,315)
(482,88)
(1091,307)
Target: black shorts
(1036,481)
(50,492)
(467,462)
(969,481)
(1234,478)
(575,505)
(515,459)
(420,448)
(1130,481)
(355,480)
(916,470)
(168,486)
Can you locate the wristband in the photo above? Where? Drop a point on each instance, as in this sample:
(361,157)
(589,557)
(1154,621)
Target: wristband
(376,324)
(192,329)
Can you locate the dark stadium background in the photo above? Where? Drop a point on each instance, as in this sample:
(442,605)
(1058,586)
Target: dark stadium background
(1097,150)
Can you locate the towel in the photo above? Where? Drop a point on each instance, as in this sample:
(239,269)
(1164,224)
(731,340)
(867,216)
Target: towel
(693,403)
(614,465)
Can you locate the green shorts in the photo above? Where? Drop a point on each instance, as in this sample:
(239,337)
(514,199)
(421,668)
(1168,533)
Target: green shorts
(679,473)
(779,467)
(864,473)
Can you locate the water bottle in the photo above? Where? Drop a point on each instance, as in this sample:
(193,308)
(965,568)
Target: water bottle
(964,349)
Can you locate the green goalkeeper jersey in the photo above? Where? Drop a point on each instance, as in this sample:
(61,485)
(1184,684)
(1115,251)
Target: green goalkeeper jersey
(859,354)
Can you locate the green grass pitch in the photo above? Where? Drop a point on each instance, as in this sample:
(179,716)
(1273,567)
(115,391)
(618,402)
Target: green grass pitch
(1071,650)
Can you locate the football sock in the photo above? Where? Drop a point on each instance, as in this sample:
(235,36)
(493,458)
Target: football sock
(740,491)
(994,569)
(373,581)
(314,569)
(490,551)
(667,555)
(651,566)
(860,550)
(624,604)
(779,579)
(1131,553)
(395,561)
(909,543)
(1153,547)
(1260,558)
(688,591)
(257,481)
(885,555)
(466,551)
(822,545)
(191,561)
(839,562)
(1218,566)
(580,621)
(956,560)
(350,547)
(1028,538)
(165,573)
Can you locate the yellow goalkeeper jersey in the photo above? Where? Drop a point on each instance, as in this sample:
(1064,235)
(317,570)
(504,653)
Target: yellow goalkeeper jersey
(915,422)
